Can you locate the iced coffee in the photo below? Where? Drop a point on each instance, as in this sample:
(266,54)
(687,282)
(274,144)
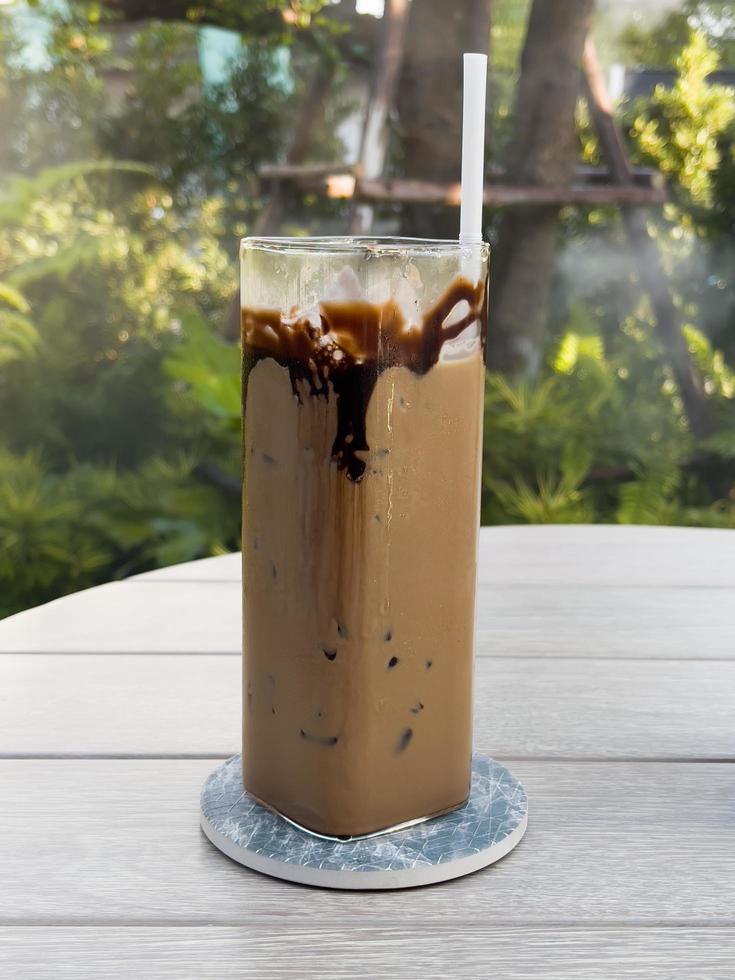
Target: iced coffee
(363,375)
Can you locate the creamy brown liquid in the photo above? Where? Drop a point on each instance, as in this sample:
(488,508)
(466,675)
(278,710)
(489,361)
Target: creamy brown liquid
(360,513)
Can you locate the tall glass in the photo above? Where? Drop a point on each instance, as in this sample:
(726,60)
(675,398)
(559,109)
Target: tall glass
(362,433)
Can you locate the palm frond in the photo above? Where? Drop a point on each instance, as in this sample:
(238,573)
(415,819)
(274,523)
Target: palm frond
(209,367)
(649,498)
(18,337)
(14,298)
(18,193)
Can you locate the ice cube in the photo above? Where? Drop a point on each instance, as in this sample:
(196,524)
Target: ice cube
(310,315)
(462,346)
(345,288)
(404,289)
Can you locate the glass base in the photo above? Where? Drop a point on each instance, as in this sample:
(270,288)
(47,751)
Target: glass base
(485,829)
(373,833)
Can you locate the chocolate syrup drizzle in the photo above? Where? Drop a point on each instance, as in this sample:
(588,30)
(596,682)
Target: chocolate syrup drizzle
(352,345)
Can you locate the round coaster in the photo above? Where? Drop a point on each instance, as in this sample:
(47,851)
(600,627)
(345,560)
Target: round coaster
(485,829)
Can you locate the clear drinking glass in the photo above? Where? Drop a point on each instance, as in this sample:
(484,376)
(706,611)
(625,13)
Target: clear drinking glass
(363,371)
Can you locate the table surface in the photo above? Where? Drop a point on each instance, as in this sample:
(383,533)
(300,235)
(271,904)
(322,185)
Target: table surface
(609,653)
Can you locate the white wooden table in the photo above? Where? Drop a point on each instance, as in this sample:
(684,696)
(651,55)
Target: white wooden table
(609,653)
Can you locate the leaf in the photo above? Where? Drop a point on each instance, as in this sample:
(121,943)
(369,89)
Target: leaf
(717,375)
(82,253)
(11,296)
(576,463)
(722,443)
(19,193)
(210,367)
(18,337)
(649,498)
(551,501)
(567,354)
(575,348)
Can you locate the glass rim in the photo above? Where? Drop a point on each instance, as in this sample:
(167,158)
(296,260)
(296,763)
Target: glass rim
(361,244)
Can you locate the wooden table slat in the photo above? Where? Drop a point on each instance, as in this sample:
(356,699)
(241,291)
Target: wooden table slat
(607,843)
(204,617)
(173,705)
(380,952)
(595,644)
(572,554)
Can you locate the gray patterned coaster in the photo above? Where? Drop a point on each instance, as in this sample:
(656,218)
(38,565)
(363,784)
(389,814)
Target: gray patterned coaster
(487,827)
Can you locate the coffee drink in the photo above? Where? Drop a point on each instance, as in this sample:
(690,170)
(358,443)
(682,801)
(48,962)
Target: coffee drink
(361,471)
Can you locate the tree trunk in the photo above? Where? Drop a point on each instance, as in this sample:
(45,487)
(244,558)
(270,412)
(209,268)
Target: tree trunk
(542,152)
(312,113)
(374,143)
(430,101)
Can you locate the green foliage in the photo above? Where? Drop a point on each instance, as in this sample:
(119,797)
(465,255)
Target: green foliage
(45,538)
(606,392)
(14,299)
(601,435)
(680,133)
(18,336)
(550,499)
(210,368)
(18,194)
(661,46)
(650,498)
(689,133)
(263,20)
(718,378)
(201,147)
(119,393)
(119,367)
(60,532)
(95,389)
(553,446)
(114,489)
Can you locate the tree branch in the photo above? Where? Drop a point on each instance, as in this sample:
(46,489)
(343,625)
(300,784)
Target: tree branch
(651,272)
(353,35)
(543,153)
(215,476)
(250,17)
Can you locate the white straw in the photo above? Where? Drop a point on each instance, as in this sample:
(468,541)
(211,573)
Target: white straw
(473,149)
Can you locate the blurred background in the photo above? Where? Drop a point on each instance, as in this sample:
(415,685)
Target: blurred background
(139,140)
